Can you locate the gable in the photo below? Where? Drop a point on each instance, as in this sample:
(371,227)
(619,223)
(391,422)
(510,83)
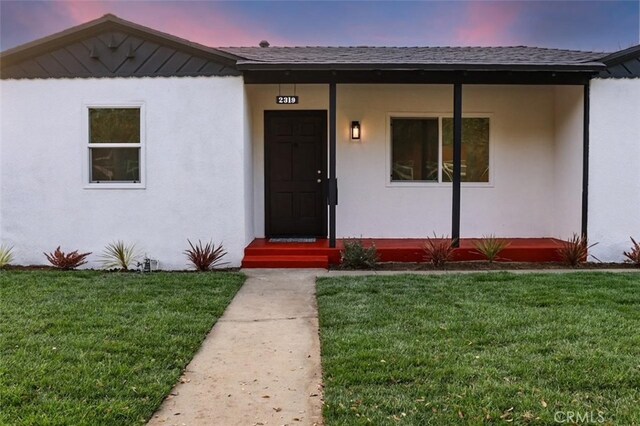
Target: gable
(110,47)
(622,64)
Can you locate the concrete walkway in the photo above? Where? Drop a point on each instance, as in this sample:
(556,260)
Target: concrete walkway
(260,364)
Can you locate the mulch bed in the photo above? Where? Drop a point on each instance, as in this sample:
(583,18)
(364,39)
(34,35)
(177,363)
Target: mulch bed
(136,271)
(29,268)
(496,266)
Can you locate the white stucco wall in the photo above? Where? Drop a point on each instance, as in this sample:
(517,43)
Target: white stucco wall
(248,171)
(614,157)
(2,104)
(205,164)
(567,172)
(520,200)
(195,168)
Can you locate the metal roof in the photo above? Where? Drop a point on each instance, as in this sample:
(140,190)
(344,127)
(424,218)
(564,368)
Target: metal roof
(622,64)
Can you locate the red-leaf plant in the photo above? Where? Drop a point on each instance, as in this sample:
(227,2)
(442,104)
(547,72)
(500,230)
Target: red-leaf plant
(205,257)
(634,254)
(439,251)
(575,250)
(67,261)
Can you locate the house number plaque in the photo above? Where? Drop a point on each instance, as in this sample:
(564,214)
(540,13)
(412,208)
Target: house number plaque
(287,100)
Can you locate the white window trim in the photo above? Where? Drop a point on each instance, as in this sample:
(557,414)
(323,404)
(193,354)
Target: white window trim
(440,184)
(86,147)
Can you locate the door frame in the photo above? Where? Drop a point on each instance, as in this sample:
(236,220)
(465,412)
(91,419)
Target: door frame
(322,113)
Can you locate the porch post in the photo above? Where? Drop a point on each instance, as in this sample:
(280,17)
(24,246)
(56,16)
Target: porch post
(457,163)
(333,186)
(585,160)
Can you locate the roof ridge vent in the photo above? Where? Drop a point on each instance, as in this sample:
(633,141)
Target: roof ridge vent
(264,43)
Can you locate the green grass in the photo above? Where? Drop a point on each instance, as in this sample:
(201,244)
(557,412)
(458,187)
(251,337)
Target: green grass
(92,348)
(481,348)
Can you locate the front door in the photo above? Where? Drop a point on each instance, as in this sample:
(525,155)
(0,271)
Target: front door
(295,171)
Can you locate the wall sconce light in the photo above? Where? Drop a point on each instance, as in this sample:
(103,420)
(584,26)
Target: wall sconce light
(355,130)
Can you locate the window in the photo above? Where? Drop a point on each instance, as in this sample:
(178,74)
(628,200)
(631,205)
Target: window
(414,149)
(475,150)
(114,145)
(422,149)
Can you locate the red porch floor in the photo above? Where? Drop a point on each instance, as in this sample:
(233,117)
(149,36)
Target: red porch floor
(263,254)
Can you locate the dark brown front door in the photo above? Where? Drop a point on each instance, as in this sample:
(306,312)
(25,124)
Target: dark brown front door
(295,171)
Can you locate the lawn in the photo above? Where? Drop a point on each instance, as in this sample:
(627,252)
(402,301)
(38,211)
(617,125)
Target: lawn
(94,348)
(481,349)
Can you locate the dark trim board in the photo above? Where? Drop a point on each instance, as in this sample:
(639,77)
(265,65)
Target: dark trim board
(417,77)
(585,161)
(447,67)
(333,182)
(457,164)
(302,178)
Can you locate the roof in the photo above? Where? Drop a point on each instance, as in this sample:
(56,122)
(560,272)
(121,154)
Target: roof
(111,47)
(517,57)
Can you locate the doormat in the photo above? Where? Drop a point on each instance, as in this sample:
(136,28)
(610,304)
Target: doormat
(292,240)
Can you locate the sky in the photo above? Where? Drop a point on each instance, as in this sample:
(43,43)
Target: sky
(584,25)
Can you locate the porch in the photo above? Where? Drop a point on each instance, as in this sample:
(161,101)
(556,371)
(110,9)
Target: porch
(262,253)
(532,191)
(460,152)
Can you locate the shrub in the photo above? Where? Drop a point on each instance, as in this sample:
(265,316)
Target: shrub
(575,250)
(71,260)
(634,254)
(6,255)
(356,256)
(119,255)
(439,251)
(205,257)
(490,246)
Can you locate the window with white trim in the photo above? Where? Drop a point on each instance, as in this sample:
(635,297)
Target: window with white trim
(422,149)
(115,144)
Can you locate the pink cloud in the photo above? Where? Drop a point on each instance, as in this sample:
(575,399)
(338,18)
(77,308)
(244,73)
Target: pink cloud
(488,23)
(82,11)
(200,22)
